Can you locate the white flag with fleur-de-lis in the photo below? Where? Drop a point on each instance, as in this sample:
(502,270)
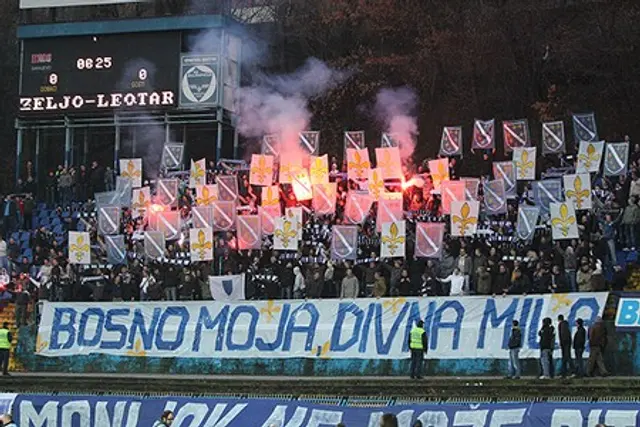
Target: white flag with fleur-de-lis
(589,157)
(132,170)
(393,239)
(201,244)
(261,170)
(285,234)
(464,218)
(389,161)
(577,189)
(198,173)
(524,159)
(79,247)
(564,224)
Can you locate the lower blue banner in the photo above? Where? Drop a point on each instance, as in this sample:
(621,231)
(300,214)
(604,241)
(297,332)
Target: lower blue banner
(113,411)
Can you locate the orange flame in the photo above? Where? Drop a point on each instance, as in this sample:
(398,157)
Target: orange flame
(416,181)
(155,208)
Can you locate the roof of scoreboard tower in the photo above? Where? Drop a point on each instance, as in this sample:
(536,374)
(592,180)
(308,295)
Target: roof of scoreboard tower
(173,23)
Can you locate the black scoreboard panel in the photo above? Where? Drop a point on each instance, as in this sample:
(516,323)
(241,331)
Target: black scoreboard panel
(103,72)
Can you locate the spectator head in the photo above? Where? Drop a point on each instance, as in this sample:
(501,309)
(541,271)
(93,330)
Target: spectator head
(456,271)
(417,423)
(420,324)
(556,269)
(5,325)
(167,417)
(349,272)
(580,322)
(546,321)
(560,318)
(515,323)
(388,420)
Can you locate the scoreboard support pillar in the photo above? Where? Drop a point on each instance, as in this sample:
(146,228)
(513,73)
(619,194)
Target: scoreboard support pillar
(235,143)
(219,136)
(68,144)
(116,145)
(39,179)
(19,153)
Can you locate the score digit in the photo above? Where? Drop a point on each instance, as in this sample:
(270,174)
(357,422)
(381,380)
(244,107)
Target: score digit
(80,63)
(142,74)
(53,79)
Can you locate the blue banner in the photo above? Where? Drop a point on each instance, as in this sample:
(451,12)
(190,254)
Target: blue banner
(103,411)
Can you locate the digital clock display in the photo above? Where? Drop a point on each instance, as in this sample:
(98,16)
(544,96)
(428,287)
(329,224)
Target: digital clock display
(121,71)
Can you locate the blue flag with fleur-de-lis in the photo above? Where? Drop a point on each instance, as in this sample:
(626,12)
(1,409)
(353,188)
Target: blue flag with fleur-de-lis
(553,139)
(451,141)
(495,199)
(616,159)
(227,288)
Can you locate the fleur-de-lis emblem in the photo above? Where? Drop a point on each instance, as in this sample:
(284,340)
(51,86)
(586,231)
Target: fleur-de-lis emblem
(137,350)
(261,170)
(197,172)
(270,310)
(440,174)
(590,157)
(375,185)
(141,203)
(562,301)
(578,193)
(271,197)
(202,244)
(386,163)
(130,172)
(464,220)
(79,248)
(206,197)
(318,170)
(524,164)
(287,233)
(565,221)
(359,165)
(393,240)
(394,304)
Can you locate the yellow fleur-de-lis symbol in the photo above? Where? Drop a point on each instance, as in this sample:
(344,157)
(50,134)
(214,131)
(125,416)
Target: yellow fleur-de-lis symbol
(197,171)
(286,234)
(137,350)
(375,185)
(394,304)
(386,163)
(318,171)
(464,220)
(271,199)
(40,344)
(565,220)
(202,244)
(524,164)
(578,193)
(206,197)
(79,248)
(561,301)
(270,310)
(141,203)
(359,165)
(130,171)
(393,240)
(440,174)
(262,171)
(590,157)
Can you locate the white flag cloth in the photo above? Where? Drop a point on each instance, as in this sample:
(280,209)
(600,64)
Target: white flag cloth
(464,218)
(524,158)
(132,169)
(589,156)
(227,288)
(79,248)
(393,240)
(198,173)
(577,188)
(201,244)
(564,225)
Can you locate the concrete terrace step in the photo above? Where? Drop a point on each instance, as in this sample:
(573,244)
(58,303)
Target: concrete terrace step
(430,388)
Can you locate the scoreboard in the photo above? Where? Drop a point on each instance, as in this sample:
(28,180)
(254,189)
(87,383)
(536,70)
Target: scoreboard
(105,72)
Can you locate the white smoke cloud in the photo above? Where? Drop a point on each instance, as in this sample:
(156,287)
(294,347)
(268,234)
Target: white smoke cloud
(280,104)
(395,110)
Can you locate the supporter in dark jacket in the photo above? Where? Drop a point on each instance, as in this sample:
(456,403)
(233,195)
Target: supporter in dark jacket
(547,342)
(579,344)
(564,335)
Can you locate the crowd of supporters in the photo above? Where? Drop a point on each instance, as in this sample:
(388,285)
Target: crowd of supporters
(33,258)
